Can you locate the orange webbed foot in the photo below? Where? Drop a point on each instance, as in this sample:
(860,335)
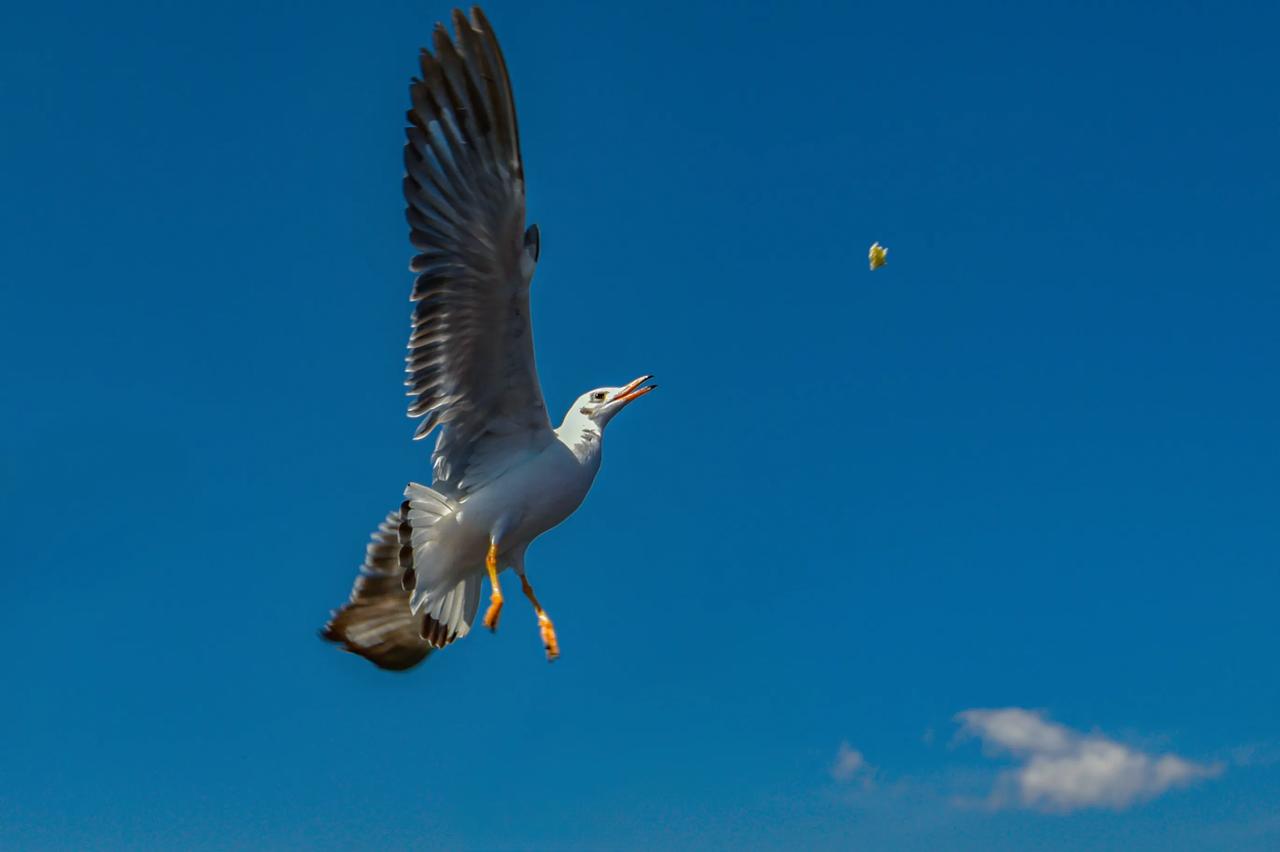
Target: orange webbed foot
(548,631)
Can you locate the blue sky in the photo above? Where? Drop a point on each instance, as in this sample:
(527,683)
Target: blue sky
(1030,464)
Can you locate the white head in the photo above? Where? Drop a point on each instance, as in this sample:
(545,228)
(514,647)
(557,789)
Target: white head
(598,406)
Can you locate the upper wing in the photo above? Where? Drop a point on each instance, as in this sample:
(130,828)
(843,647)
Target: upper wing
(471,367)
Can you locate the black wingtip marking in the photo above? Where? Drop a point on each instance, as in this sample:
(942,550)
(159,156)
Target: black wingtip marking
(533,242)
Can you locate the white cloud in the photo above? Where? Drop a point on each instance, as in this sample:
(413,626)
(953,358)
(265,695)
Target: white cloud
(1063,769)
(851,765)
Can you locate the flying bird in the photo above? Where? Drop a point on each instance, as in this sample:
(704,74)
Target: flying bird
(502,474)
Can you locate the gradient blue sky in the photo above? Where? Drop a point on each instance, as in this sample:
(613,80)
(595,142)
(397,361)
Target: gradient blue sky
(1032,462)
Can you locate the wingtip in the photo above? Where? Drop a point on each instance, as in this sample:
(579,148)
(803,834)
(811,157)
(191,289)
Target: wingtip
(440,37)
(329,633)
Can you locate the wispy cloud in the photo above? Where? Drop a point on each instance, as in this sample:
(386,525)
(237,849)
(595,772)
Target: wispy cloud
(851,766)
(1062,769)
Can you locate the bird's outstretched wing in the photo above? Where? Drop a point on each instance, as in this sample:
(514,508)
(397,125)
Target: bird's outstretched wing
(377,622)
(471,365)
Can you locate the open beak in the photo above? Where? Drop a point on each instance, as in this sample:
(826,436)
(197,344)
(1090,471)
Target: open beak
(634,390)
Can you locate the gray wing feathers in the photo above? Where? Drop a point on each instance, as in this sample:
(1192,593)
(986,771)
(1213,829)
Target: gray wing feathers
(377,622)
(471,363)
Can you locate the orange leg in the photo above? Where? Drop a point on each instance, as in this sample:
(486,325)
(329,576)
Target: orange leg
(495,596)
(545,627)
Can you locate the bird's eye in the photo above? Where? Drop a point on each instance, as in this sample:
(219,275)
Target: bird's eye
(598,396)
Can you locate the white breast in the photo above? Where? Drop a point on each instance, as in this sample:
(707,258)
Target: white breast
(533,497)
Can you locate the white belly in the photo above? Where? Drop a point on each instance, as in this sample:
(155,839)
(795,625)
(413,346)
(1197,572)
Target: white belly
(520,505)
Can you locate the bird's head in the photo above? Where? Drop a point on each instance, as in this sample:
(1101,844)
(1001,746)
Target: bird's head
(601,404)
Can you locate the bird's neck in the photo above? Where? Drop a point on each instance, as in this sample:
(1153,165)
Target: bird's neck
(583,436)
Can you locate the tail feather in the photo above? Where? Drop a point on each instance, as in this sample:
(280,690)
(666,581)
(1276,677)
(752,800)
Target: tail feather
(448,617)
(447,613)
(401,607)
(420,533)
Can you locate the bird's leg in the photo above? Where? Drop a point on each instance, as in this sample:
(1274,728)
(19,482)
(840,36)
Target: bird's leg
(545,627)
(495,596)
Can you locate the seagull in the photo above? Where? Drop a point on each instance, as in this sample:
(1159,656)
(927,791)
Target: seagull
(501,473)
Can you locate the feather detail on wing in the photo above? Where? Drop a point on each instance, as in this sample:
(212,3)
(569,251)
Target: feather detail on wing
(471,364)
(377,622)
